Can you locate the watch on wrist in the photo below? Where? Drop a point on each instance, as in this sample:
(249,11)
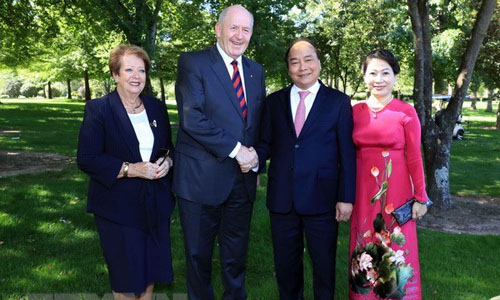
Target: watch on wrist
(125,169)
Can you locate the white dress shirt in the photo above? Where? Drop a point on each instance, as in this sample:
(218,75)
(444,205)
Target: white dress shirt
(308,101)
(227,62)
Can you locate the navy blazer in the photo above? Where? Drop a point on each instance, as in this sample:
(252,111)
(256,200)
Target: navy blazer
(316,169)
(210,125)
(106,140)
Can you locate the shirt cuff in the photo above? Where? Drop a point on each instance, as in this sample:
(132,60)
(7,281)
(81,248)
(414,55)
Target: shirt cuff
(256,169)
(235,150)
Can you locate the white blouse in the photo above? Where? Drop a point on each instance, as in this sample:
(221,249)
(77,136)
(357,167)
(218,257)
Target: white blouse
(144,134)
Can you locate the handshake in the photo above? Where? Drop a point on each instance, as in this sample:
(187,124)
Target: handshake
(247,158)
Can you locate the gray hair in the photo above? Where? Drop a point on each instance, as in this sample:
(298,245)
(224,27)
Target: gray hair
(224,12)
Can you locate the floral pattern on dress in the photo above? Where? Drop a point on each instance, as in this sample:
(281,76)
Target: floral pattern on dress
(376,265)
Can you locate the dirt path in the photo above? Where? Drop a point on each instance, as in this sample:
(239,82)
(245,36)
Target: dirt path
(474,215)
(28,162)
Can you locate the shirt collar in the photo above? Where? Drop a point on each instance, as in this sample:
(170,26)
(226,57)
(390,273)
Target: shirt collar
(227,59)
(313,89)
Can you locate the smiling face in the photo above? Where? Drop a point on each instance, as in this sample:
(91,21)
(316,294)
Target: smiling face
(379,78)
(304,65)
(234,31)
(132,75)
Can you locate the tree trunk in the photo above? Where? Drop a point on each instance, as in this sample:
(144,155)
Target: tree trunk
(473,101)
(162,87)
(498,116)
(69,88)
(437,132)
(148,88)
(49,90)
(87,85)
(344,81)
(489,107)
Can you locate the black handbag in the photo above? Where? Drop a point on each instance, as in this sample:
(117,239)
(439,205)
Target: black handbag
(402,214)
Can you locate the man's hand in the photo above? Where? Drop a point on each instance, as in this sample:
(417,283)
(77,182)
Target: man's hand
(247,158)
(343,211)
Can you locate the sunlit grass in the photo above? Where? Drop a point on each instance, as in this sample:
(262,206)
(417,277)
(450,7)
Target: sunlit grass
(475,161)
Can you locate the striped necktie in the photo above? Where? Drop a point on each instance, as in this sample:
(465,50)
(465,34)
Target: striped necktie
(238,87)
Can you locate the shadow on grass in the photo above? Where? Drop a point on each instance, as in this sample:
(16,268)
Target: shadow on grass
(49,242)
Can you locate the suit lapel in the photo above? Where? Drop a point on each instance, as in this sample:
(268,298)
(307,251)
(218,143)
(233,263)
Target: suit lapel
(315,109)
(285,99)
(251,88)
(220,71)
(125,126)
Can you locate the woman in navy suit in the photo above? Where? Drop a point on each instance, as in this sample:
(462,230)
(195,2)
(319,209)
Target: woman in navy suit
(123,146)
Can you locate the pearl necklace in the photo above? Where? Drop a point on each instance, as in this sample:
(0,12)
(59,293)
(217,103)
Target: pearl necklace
(376,110)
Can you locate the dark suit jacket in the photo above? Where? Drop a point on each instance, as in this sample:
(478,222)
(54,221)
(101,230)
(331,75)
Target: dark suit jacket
(211,123)
(317,169)
(107,139)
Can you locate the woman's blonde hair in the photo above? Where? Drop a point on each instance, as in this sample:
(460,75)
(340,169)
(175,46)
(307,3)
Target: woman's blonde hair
(115,57)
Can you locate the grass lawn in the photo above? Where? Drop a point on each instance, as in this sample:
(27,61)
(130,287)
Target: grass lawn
(475,161)
(48,244)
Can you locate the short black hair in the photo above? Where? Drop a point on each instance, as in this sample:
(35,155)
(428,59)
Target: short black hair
(297,41)
(384,55)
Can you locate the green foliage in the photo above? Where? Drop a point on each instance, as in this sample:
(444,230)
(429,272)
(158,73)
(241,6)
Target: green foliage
(12,87)
(488,64)
(55,39)
(56,92)
(399,239)
(28,89)
(17,29)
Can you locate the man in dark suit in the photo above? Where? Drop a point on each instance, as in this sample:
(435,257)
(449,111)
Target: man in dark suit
(219,93)
(306,131)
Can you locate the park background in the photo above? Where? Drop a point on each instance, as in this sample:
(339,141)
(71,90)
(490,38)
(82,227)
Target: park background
(53,57)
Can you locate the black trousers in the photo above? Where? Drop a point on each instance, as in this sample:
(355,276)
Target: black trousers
(288,244)
(201,224)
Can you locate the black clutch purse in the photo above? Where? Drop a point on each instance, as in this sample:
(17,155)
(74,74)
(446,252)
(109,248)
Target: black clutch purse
(402,214)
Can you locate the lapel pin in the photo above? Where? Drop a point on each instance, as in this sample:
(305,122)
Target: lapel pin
(251,75)
(154,124)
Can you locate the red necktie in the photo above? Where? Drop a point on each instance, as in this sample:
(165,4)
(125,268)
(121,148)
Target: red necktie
(300,114)
(238,87)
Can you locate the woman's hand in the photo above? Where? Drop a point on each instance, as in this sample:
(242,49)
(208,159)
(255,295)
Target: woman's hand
(418,210)
(163,169)
(146,170)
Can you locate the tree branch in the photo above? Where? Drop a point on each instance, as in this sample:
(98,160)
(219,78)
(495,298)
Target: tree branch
(470,56)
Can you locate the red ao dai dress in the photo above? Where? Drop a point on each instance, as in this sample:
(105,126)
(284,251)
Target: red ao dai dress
(383,257)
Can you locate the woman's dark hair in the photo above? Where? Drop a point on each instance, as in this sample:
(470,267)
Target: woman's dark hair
(295,42)
(384,55)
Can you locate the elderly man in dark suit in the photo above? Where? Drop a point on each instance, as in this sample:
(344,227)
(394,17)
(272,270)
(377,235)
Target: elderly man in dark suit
(219,94)
(306,131)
